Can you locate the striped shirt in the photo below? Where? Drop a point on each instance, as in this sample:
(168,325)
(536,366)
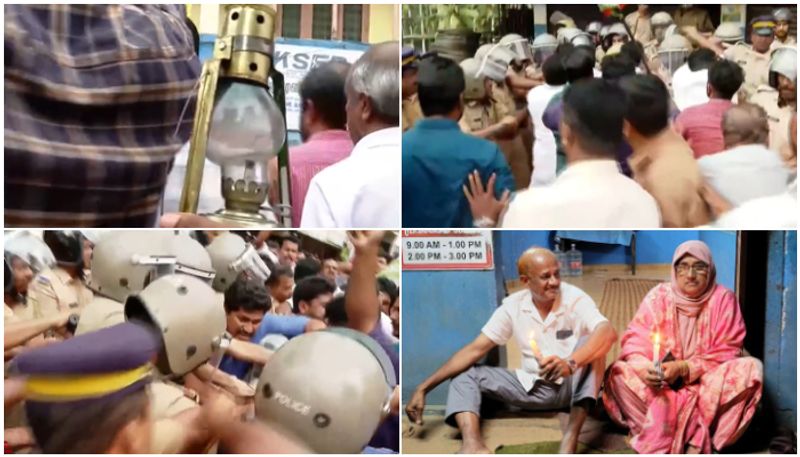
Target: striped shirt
(93,113)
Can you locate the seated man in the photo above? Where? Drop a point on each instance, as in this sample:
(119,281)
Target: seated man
(705,393)
(564,340)
(747,169)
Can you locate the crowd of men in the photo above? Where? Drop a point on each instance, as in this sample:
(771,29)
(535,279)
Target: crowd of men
(174,342)
(97,125)
(640,120)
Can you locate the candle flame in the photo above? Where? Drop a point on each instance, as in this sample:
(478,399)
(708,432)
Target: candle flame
(657,338)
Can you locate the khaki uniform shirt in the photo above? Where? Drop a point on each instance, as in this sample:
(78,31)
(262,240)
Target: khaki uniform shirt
(778,117)
(411,112)
(477,116)
(20,311)
(669,172)
(56,291)
(693,17)
(166,401)
(755,66)
(100,313)
(640,27)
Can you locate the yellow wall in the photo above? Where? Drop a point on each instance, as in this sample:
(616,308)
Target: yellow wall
(383,23)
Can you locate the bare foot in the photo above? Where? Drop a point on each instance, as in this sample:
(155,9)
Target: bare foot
(569,444)
(692,449)
(474,448)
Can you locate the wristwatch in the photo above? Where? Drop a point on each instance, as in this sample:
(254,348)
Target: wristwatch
(573,366)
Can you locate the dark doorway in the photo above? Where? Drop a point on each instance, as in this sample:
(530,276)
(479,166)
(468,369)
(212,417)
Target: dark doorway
(752,284)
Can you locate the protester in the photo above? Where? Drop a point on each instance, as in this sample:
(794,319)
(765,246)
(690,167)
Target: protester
(323,126)
(701,125)
(544,147)
(361,191)
(311,295)
(281,286)
(437,156)
(746,169)
(289,251)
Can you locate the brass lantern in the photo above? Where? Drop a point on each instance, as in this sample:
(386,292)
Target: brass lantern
(239,124)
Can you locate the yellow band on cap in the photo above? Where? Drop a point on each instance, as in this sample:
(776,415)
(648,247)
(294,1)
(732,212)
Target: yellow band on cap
(763,24)
(409,60)
(78,386)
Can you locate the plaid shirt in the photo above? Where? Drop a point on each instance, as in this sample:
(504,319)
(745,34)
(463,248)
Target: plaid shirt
(94,96)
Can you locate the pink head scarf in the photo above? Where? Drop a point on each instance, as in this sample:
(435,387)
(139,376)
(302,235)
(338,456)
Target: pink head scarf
(692,306)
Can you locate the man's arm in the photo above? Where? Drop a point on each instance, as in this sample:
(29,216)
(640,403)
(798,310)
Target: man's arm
(361,298)
(458,363)
(600,341)
(18,333)
(505,127)
(249,352)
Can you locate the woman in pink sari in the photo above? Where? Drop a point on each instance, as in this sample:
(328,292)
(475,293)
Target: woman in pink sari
(705,394)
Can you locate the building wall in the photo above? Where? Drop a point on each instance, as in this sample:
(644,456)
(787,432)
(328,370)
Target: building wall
(383,20)
(383,23)
(780,333)
(652,247)
(442,311)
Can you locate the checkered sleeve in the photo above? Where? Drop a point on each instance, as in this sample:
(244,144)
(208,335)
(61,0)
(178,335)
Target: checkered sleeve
(98,102)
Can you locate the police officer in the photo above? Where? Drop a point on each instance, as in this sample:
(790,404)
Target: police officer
(728,34)
(110,417)
(232,257)
(25,255)
(326,416)
(479,117)
(544,46)
(593,29)
(672,54)
(779,96)
(783,18)
(411,109)
(62,287)
(693,16)
(754,58)
(494,63)
(661,22)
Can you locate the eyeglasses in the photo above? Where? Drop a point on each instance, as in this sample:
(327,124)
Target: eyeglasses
(698,268)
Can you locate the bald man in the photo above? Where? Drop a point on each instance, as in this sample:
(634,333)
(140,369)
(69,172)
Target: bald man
(747,168)
(563,370)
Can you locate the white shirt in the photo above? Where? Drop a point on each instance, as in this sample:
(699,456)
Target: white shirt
(689,87)
(767,213)
(574,315)
(745,172)
(210,191)
(544,148)
(588,194)
(362,190)
(387,327)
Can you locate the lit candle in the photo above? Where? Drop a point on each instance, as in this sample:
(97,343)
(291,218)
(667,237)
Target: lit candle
(656,349)
(535,347)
